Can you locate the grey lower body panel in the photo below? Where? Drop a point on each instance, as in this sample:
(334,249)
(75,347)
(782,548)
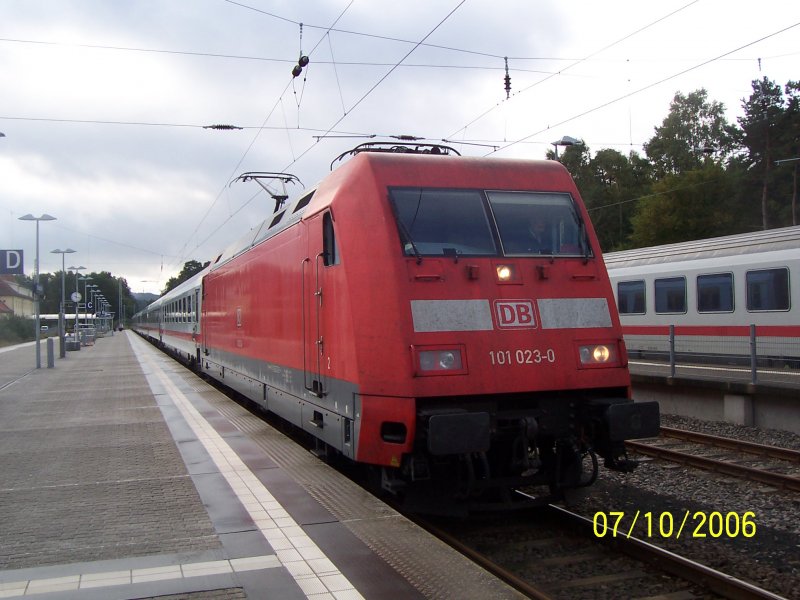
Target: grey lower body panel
(331,415)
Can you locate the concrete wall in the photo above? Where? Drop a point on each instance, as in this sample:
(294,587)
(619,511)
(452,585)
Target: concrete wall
(764,408)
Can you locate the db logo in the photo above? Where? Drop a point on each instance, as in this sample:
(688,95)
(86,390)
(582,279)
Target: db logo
(514,314)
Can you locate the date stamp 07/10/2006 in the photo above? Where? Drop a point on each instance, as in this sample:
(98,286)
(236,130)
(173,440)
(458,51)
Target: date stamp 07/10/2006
(696,524)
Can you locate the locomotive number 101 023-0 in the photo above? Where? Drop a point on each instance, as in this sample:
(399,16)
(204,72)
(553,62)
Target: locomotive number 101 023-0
(522,357)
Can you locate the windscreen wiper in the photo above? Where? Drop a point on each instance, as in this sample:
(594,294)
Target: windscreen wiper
(408,239)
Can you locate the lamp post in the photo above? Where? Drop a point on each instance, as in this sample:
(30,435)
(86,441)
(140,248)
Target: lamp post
(77,296)
(62,351)
(85,281)
(91,289)
(566,141)
(30,217)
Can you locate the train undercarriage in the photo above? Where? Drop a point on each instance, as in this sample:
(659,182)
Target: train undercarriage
(475,457)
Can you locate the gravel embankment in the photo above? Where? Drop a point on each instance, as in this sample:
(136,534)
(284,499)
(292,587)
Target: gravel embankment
(770,558)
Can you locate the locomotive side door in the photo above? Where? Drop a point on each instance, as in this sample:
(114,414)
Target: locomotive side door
(321,254)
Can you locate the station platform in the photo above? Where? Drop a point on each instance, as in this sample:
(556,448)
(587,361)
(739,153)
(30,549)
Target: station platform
(123,475)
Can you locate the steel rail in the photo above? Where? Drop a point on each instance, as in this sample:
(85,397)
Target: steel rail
(498,571)
(733,444)
(679,566)
(711,464)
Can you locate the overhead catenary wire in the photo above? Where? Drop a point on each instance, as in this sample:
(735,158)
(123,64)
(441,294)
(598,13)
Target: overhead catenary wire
(378,83)
(244,155)
(578,62)
(328,35)
(647,87)
(330,129)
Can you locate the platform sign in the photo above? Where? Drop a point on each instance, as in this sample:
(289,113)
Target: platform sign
(11,262)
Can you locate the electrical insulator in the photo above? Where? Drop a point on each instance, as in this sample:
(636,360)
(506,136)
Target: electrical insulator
(298,68)
(508,81)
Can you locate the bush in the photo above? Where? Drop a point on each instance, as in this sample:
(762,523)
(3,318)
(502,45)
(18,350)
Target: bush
(15,330)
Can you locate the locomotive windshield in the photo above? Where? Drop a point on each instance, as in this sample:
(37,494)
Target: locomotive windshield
(436,222)
(538,223)
(439,222)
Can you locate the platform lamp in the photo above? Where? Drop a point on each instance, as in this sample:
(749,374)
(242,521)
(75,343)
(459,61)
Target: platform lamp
(566,141)
(76,297)
(36,290)
(86,279)
(89,301)
(62,350)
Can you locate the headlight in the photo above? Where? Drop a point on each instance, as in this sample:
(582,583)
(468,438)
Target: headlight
(594,355)
(439,361)
(503,272)
(507,273)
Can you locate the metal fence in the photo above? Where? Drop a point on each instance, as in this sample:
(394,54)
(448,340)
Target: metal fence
(752,358)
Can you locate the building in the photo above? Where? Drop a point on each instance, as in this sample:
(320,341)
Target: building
(15,297)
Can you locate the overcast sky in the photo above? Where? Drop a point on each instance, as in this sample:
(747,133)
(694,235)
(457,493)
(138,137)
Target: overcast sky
(103,102)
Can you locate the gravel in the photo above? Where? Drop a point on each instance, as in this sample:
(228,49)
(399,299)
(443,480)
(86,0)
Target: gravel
(769,559)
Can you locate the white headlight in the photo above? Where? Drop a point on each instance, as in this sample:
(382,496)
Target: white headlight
(503,272)
(598,354)
(440,360)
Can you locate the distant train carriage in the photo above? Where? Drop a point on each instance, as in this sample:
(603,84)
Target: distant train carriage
(174,320)
(712,291)
(448,321)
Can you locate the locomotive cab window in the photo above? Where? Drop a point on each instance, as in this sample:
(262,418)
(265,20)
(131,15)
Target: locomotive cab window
(539,223)
(670,295)
(768,289)
(439,222)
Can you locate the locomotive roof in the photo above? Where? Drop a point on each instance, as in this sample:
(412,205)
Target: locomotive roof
(785,238)
(295,210)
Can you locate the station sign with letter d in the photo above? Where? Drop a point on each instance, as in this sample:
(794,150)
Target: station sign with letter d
(11,262)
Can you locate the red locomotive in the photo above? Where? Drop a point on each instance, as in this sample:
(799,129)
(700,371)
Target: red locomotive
(447,320)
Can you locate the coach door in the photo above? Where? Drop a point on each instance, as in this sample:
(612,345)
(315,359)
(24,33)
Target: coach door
(316,304)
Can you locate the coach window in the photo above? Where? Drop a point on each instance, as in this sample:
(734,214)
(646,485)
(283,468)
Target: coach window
(768,289)
(441,222)
(670,295)
(330,250)
(630,297)
(715,293)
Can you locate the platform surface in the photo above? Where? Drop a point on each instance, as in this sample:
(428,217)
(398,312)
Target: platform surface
(123,475)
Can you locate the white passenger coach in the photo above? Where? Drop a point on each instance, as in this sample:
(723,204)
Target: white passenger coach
(716,293)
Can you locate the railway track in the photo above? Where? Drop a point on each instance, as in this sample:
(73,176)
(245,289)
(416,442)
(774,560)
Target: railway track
(553,553)
(788,457)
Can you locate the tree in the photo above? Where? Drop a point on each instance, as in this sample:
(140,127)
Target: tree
(760,132)
(614,182)
(190,268)
(791,138)
(694,128)
(690,206)
(106,284)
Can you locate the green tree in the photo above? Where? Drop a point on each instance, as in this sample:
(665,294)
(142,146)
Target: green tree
(690,206)
(618,181)
(190,268)
(761,126)
(789,157)
(693,130)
